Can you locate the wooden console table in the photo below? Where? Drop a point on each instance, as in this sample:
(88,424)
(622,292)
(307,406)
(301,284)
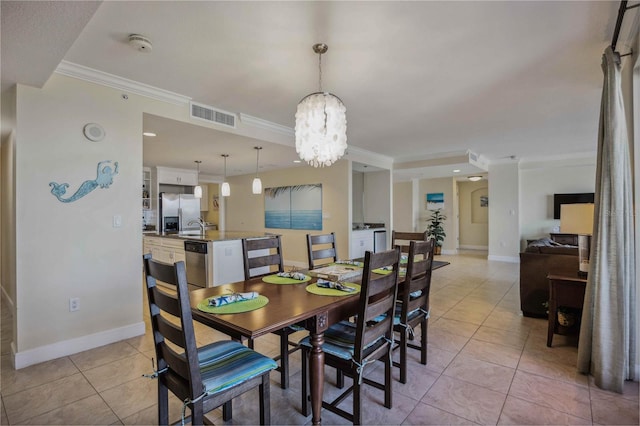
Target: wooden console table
(564,290)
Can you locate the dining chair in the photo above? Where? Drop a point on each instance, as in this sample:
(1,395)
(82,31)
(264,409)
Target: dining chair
(352,348)
(326,250)
(412,306)
(266,252)
(206,377)
(402,239)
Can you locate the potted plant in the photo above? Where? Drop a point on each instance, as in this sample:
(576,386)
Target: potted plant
(435,230)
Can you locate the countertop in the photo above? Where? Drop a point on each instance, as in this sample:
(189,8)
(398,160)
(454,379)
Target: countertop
(210,235)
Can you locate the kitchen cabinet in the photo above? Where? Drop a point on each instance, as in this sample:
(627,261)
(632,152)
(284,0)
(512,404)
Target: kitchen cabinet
(361,241)
(172,176)
(165,250)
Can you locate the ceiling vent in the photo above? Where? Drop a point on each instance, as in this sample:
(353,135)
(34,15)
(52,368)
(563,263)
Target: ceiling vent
(212,115)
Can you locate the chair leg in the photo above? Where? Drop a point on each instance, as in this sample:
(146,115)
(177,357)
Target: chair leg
(250,344)
(388,384)
(265,404)
(306,407)
(227,411)
(163,403)
(196,413)
(403,356)
(423,341)
(357,402)
(284,360)
(339,379)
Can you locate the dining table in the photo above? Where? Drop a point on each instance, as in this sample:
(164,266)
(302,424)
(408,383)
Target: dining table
(288,304)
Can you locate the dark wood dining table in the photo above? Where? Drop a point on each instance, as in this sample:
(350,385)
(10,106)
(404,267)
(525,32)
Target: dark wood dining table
(288,304)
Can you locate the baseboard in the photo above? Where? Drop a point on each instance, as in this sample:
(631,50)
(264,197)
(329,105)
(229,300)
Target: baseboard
(509,259)
(73,346)
(450,252)
(485,248)
(301,265)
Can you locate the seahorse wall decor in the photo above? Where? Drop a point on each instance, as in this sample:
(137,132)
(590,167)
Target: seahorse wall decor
(104,179)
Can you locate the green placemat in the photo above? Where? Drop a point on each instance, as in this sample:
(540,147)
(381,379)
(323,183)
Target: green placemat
(381,271)
(234,308)
(321,291)
(275,279)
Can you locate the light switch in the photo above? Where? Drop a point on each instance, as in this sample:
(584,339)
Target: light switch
(117,221)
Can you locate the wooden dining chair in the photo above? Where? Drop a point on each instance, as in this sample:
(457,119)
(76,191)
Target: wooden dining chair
(267,253)
(402,239)
(204,378)
(412,307)
(321,247)
(352,348)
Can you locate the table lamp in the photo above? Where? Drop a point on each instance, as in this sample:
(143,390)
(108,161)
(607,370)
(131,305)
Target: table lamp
(578,219)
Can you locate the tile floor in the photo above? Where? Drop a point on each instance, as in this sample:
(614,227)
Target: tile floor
(486,365)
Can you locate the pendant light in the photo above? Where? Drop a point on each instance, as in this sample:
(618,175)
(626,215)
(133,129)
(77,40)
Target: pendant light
(197,190)
(257,183)
(321,124)
(225,190)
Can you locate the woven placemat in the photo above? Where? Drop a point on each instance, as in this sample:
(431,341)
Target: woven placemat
(234,308)
(321,291)
(275,279)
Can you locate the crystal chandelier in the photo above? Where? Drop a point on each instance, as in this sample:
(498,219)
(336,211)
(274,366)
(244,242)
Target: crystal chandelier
(321,124)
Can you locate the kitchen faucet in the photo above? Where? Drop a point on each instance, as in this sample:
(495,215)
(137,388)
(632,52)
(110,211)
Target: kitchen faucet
(201,223)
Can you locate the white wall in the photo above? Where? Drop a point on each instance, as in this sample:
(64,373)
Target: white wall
(539,181)
(447,187)
(357,197)
(377,197)
(403,207)
(504,232)
(473,218)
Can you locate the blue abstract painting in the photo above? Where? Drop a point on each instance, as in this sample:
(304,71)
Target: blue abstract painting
(293,207)
(435,201)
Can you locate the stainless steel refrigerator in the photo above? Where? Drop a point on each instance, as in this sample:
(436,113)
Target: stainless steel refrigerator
(179,212)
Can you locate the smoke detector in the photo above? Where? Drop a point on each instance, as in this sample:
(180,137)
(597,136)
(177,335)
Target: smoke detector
(140,42)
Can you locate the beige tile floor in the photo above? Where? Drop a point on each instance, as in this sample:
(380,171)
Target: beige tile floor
(486,365)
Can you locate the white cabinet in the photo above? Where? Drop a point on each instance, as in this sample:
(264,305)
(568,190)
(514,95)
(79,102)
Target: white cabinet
(176,176)
(228,263)
(361,241)
(165,250)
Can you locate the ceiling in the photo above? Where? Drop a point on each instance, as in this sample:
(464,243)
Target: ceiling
(420,80)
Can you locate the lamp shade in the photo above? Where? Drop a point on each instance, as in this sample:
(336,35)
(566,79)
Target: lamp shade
(576,218)
(197,191)
(257,186)
(225,190)
(321,129)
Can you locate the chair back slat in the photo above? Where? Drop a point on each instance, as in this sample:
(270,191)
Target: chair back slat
(273,259)
(182,367)
(418,277)
(402,239)
(377,297)
(325,254)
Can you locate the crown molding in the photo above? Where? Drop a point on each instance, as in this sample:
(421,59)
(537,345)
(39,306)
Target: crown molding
(110,80)
(250,120)
(577,159)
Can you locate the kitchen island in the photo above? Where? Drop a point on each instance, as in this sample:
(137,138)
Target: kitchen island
(221,263)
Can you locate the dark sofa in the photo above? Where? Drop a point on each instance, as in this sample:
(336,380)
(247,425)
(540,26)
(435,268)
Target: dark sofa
(539,259)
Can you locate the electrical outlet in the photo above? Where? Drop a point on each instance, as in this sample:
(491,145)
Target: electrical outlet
(74,304)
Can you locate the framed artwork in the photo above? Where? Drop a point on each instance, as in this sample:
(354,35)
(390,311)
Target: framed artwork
(484,201)
(435,201)
(293,207)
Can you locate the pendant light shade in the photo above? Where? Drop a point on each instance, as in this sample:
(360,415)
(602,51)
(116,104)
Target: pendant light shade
(257,183)
(321,124)
(197,190)
(225,190)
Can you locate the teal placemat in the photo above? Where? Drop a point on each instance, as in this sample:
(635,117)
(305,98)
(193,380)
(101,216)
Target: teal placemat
(275,279)
(321,291)
(234,308)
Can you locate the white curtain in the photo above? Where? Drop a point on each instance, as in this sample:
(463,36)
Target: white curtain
(607,335)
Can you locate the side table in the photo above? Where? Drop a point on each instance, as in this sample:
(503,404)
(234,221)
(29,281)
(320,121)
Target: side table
(564,290)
